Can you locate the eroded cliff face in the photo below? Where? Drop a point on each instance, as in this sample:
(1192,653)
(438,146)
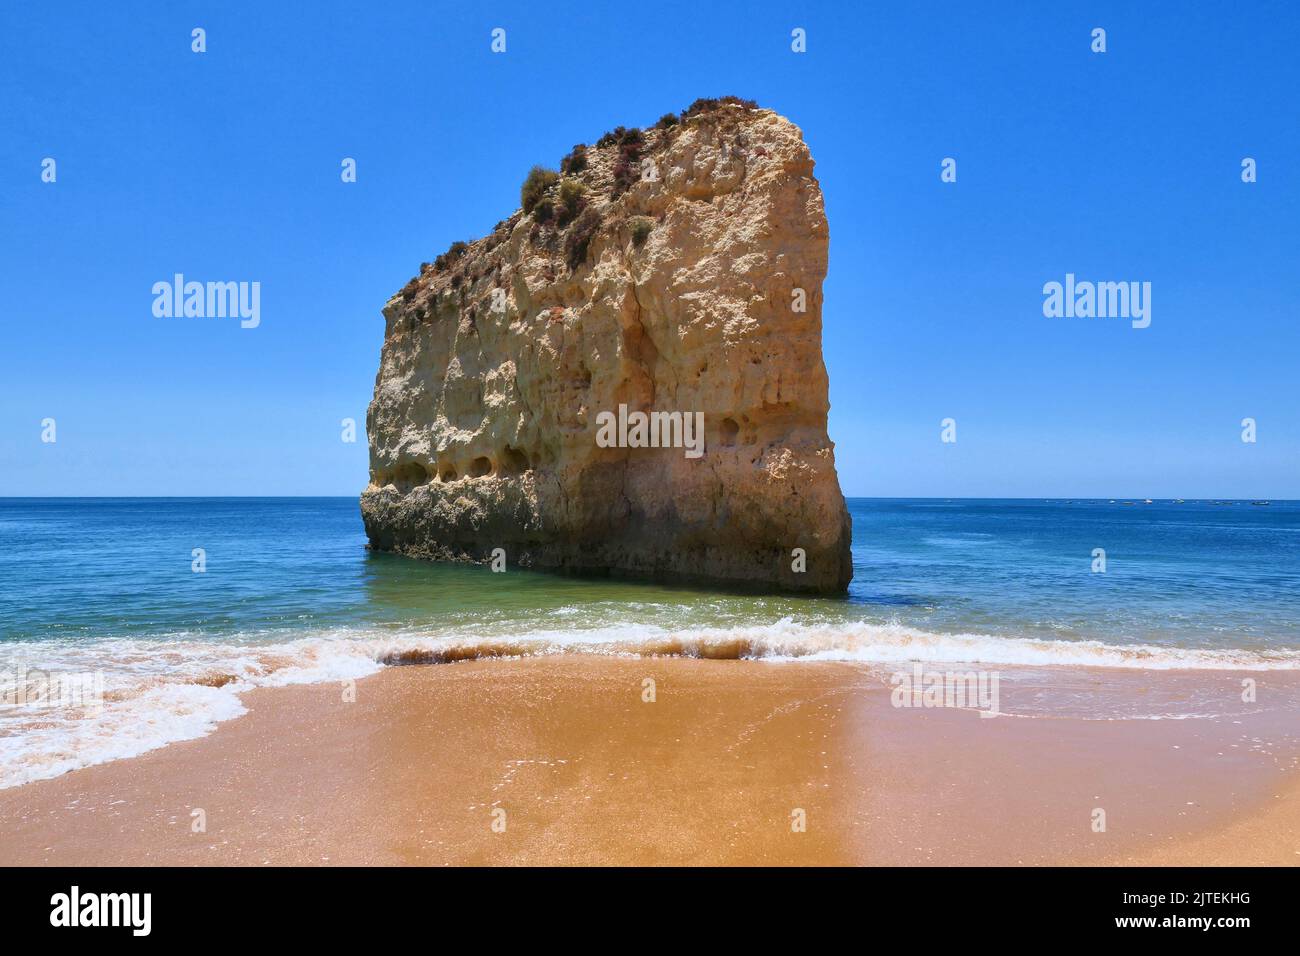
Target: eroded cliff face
(668,286)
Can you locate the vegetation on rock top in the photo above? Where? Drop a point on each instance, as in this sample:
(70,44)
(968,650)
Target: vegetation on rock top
(566,206)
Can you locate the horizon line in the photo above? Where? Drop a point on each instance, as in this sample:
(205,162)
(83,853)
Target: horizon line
(1064,498)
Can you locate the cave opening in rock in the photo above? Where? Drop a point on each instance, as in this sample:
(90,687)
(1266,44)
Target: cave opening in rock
(513,461)
(480,467)
(409,474)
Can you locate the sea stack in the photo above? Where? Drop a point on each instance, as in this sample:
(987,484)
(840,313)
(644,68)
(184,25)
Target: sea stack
(539,388)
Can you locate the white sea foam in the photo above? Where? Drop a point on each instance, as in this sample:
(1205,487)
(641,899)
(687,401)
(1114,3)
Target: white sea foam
(42,748)
(161,691)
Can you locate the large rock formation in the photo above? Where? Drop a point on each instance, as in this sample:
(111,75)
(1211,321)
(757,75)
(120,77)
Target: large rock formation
(677,269)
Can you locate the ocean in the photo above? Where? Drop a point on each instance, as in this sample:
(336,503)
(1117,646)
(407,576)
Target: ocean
(289,594)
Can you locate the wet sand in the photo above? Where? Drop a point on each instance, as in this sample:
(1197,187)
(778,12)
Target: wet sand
(560,761)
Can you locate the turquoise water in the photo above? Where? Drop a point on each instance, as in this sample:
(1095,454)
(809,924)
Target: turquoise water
(290,594)
(1181,575)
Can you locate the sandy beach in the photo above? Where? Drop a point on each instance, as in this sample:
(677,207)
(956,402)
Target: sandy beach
(560,760)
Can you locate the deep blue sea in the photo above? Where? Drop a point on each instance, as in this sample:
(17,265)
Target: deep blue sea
(288,593)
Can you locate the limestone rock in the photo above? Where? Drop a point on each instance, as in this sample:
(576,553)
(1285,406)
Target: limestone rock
(663,275)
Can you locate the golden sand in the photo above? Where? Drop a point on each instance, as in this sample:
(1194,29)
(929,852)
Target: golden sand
(561,760)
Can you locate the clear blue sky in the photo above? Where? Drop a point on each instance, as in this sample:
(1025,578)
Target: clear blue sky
(225,165)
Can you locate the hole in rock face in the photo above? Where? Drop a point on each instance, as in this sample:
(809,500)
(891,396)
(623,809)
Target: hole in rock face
(448,473)
(410,473)
(480,467)
(729,432)
(513,461)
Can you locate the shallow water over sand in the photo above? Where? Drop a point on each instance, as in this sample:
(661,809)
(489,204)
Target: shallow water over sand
(288,594)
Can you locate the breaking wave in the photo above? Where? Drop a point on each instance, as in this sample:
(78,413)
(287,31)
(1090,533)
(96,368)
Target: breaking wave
(157,692)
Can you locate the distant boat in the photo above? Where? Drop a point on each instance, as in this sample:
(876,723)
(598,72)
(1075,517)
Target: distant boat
(1148,501)
(1179,501)
(1259,502)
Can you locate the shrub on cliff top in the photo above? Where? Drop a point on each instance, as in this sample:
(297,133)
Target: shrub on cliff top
(641,227)
(667,120)
(621,136)
(455,251)
(626,168)
(709,104)
(573,197)
(575,162)
(539,180)
(578,239)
